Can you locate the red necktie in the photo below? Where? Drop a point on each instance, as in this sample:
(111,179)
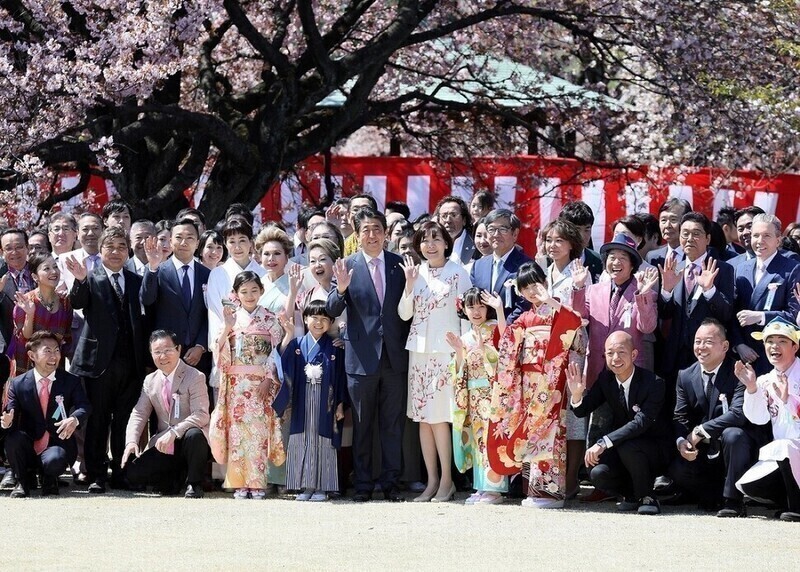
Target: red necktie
(44,398)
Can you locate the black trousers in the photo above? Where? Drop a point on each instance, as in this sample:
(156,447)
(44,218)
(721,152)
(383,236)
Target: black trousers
(112,396)
(52,462)
(706,478)
(779,486)
(629,468)
(187,464)
(385,393)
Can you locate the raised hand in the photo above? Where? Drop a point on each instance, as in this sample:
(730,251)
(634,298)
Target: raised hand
(342,275)
(454,341)
(576,381)
(540,243)
(25,303)
(295,274)
(781,387)
(708,275)
(411,271)
(670,276)
(647,280)
(540,294)
(229,316)
(492,300)
(153,252)
(580,274)
(746,374)
(287,323)
(6,419)
(77,269)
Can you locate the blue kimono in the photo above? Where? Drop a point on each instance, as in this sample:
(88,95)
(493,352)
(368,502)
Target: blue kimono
(333,385)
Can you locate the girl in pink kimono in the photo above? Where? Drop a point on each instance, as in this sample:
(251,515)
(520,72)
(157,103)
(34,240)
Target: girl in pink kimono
(245,433)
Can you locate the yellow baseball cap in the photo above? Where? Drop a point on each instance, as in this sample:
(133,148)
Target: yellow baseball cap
(779,327)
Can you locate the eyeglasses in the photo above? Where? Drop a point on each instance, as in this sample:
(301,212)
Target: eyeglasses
(696,234)
(493,230)
(449,215)
(166,352)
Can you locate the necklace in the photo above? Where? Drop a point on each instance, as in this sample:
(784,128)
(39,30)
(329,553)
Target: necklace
(49,305)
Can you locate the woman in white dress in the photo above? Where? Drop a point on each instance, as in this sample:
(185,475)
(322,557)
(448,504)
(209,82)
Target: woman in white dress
(429,300)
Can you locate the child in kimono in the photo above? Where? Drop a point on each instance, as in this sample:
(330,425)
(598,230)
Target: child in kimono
(473,369)
(314,385)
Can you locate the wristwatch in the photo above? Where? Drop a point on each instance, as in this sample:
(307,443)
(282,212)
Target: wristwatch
(601,442)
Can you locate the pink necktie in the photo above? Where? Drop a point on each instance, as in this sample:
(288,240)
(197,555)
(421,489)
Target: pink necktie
(377,279)
(690,280)
(44,398)
(166,389)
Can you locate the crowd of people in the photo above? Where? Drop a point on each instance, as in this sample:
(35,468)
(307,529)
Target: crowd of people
(370,351)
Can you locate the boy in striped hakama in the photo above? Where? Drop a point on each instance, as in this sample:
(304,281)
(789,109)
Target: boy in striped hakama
(315,387)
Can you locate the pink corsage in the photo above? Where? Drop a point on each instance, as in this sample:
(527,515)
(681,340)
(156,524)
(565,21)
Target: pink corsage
(636,409)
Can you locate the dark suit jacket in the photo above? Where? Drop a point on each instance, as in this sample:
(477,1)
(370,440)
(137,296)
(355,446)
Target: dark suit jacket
(6,310)
(643,417)
(692,408)
(370,327)
(96,297)
(162,297)
(782,271)
(468,250)
(678,352)
(594,263)
(656,257)
(481,277)
(23,398)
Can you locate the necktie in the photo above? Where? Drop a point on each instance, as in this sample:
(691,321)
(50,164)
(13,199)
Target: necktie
(186,288)
(690,279)
(615,299)
(44,398)
(92,262)
(117,287)
(377,279)
(496,273)
(759,271)
(709,385)
(622,399)
(166,391)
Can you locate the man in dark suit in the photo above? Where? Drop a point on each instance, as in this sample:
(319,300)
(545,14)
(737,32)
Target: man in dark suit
(626,460)
(14,277)
(764,290)
(453,214)
(580,214)
(494,273)
(110,354)
(370,284)
(670,214)
(691,291)
(172,292)
(708,417)
(45,406)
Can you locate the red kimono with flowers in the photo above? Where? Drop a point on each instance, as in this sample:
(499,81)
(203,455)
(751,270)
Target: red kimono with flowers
(527,419)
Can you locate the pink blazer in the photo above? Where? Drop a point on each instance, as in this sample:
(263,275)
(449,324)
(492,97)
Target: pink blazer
(636,314)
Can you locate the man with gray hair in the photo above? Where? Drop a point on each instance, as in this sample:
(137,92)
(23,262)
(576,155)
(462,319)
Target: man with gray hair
(494,273)
(764,290)
(141,230)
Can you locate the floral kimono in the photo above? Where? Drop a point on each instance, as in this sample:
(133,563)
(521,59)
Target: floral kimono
(527,417)
(245,433)
(472,384)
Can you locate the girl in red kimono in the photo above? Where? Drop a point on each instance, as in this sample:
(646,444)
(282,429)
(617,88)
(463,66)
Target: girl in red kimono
(527,428)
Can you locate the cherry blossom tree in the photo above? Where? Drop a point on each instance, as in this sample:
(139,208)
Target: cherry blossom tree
(145,92)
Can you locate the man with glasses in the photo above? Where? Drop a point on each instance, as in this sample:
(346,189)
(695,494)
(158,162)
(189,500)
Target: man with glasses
(14,277)
(178,450)
(453,214)
(172,291)
(496,273)
(110,354)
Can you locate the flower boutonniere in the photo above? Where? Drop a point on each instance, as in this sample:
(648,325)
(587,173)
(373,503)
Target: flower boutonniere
(313,372)
(636,409)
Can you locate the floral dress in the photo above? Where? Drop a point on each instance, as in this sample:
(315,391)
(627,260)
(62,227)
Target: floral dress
(472,384)
(527,427)
(245,433)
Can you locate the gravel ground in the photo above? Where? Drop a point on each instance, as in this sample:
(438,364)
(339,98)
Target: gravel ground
(125,531)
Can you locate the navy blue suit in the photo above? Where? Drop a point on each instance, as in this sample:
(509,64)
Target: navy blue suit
(30,424)
(678,352)
(162,298)
(481,277)
(783,273)
(376,363)
(656,257)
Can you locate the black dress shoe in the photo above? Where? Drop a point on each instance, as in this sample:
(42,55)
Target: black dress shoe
(49,486)
(9,481)
(362,496)
(393,495)
(787,516)
(732,509)
(97,488)
(19,492)
(194,492)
